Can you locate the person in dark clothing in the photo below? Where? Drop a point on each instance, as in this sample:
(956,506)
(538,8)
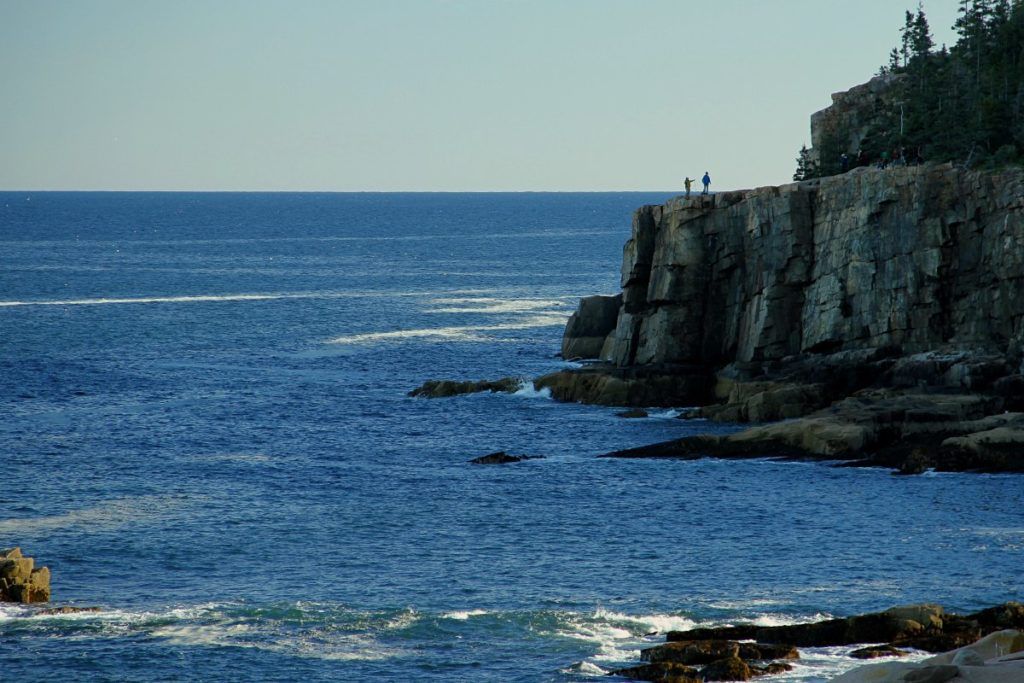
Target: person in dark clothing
(844,162)
(707,182)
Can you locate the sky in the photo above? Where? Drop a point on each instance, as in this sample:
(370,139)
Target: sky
(426,95)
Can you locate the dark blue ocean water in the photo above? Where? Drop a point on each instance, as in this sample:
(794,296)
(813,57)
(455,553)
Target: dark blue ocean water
(205,432)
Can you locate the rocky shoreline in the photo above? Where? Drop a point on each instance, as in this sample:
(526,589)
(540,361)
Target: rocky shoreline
(741,652)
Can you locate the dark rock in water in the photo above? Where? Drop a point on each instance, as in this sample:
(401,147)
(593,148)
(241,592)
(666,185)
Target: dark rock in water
(501,458)
(20,580)
(67,609)
(632,413)
(728,669)
(917,462)
(661,672)
(924,627)
(443,388)
(604,385)
(723,660)
(876,651)
(691,651)
(589,326)
(907,431)
(771,669)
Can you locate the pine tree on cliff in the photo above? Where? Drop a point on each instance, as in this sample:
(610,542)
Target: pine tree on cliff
(806,169)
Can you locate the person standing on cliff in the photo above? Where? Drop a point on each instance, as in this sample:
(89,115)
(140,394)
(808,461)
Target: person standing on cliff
(707,182)
(688,182)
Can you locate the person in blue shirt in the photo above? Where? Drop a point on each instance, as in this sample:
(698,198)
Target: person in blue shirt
(707,182)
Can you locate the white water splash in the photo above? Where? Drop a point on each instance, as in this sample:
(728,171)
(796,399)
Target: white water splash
(528,389)
(463,615)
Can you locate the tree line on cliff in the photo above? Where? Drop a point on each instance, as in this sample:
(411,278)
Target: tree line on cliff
(963,103)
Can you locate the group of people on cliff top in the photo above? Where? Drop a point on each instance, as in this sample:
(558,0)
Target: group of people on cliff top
(706,180)
(899,157)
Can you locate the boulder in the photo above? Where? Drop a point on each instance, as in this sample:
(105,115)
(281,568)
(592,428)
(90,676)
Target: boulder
(691,651)
(727,669)
(661,672)
(589,326)
(20,580)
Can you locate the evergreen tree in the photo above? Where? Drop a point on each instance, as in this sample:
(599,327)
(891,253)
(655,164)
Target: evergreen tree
(806,169)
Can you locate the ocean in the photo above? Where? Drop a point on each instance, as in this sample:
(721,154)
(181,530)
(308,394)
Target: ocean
(205,433)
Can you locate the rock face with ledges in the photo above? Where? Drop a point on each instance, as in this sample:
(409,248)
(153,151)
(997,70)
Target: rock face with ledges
(917,257)
(20,580)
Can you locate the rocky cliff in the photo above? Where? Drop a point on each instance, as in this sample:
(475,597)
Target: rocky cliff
(922,258)
(776,302)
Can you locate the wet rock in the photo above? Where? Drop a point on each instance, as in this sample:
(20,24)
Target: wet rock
(917,462)
(501,458)
(632,414)
(727,669)
(603,385)
(443,388)
(67,609)
(691,651)
(661,672)
(909,432)
(877,651)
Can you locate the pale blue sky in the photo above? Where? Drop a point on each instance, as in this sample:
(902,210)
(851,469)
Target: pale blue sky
(425,94)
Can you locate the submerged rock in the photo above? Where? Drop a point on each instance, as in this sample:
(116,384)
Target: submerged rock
(443,388)
(633,413)
(501,458)
(67,609)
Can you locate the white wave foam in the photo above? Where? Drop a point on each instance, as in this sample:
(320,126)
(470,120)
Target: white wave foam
(106,515)
(587,668)
(744,604)
(464,333)
(200,298)
(660,623)
(463,615)
(206,298)
(528,389)
(787,620)
(490,304)
(670,414)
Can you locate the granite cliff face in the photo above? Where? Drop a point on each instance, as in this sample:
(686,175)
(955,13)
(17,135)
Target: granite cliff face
(921,258)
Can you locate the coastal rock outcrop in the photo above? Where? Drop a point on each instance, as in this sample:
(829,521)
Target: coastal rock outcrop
(896,287)
(444,388)
(987,638)
(20,580)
